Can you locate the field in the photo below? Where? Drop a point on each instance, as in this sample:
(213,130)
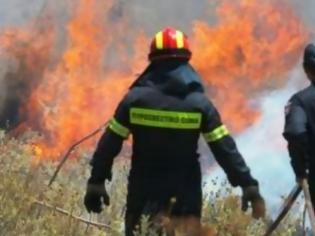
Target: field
(29,207)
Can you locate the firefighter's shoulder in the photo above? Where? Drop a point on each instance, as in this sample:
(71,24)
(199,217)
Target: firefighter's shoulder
(201,101)
(302,98)
(133,94)
(305,94)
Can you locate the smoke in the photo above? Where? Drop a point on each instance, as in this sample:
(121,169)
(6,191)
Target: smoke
(16,12)
(305,10)
(154,15)
(149,15)
(6,65)
(264,148)
(19,13)
(12,14)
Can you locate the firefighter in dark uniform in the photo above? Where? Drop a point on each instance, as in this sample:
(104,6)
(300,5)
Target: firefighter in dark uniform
(299,128)
(166,110)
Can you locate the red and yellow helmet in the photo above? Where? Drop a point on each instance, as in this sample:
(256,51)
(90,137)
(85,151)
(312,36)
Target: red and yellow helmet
(168,44)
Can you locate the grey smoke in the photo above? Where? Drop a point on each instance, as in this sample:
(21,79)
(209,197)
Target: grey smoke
(6,64)
(305,10)
(154,15)
(150,15)
(18,12)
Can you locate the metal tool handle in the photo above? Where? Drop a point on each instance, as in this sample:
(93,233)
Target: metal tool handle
(309,205)
(287,205)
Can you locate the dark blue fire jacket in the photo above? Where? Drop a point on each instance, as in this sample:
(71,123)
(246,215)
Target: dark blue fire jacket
(166,111)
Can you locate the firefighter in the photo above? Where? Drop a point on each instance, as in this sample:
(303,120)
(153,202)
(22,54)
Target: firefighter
(166,110)
(299,128)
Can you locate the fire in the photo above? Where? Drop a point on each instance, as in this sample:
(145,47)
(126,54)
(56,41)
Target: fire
(29,61)
(77,95)
(253,46)
(250,48)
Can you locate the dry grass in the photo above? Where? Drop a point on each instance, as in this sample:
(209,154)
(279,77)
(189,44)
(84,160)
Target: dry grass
(22,184)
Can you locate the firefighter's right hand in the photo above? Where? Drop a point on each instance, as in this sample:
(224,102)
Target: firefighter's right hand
(95,197)
(251,195)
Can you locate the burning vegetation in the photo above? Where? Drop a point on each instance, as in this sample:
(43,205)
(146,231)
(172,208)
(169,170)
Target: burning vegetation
(65,89)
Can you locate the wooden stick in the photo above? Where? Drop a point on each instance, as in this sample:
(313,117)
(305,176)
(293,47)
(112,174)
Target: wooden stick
(71,149)
(88,225)
(78,218)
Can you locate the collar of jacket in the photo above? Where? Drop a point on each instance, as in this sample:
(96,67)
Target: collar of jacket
(170,77)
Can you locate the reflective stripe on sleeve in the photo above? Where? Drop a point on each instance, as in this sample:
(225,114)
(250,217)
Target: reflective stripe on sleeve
(119,129)
(216,134)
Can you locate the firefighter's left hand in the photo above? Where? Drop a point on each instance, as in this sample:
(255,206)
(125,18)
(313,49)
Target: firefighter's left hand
(95,196)
(251,195)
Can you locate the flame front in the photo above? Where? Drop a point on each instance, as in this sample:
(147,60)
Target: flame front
(253,47)
(250,49)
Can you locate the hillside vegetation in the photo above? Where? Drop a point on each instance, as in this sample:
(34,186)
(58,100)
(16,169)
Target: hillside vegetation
(29,207)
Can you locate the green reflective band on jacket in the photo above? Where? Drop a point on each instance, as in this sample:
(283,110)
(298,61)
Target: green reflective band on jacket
(119,129)
(165,119)
(216,134)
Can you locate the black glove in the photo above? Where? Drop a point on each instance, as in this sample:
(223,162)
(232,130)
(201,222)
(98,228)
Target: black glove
(95,196)
(251,194)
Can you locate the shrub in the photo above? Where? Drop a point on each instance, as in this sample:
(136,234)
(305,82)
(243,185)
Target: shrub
(29,207)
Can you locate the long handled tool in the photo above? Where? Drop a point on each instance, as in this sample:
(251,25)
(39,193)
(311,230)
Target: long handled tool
(287,205)
(309,206)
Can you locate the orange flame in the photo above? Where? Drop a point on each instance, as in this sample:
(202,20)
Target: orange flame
(253,46)
(77,95)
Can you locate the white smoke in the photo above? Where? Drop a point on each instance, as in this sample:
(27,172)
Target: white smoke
(264,148)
